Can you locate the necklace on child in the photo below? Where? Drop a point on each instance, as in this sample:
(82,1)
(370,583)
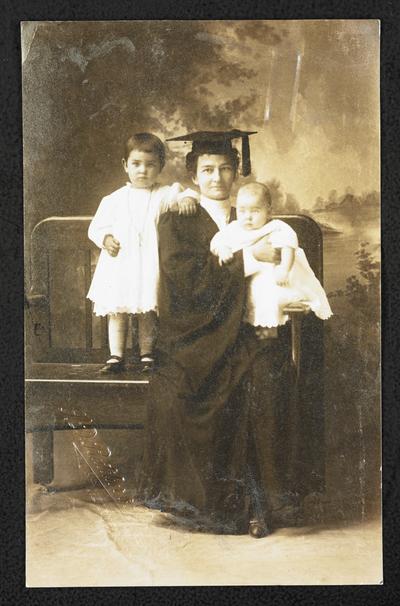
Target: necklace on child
(141,230)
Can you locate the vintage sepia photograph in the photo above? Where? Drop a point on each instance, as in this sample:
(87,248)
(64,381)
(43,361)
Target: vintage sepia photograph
(202,302)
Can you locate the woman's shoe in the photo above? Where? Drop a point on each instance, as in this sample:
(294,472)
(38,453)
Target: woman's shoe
(147,363)
(258,529)
(113,364)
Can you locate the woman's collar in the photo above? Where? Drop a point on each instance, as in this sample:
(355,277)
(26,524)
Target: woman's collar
(222,204)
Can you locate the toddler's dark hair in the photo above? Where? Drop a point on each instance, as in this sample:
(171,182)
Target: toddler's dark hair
(192,158)
(146,142)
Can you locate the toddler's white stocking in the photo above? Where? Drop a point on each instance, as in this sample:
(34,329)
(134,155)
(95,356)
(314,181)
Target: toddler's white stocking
(117,333)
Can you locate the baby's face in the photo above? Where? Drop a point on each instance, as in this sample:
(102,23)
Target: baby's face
(252,211)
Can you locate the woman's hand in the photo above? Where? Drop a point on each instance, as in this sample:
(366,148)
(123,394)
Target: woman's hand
(111,245)
(264,251)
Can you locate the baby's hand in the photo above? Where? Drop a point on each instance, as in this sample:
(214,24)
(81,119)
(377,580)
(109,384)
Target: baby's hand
(187,206)
(281,275)
(111,245)
(225,255)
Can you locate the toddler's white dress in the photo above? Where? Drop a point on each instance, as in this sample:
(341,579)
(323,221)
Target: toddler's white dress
(265,299)
(128,282)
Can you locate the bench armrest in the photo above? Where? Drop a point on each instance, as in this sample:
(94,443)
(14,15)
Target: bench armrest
(297,308)
(36,299)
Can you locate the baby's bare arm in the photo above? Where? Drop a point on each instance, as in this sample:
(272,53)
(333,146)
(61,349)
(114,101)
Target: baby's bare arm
(287,258)
(282,270)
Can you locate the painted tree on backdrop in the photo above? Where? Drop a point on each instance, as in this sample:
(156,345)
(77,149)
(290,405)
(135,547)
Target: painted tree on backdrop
(88,85)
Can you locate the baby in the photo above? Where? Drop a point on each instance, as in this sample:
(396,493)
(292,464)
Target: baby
(271,286)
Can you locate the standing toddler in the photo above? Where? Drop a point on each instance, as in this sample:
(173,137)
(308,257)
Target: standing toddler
(125,228)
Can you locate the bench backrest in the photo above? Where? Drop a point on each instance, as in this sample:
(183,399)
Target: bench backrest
(61,326)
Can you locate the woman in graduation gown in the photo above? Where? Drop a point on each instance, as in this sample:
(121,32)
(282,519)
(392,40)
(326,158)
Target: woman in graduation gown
(211,430)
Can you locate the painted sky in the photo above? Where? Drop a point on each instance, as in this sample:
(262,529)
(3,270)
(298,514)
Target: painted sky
(315,103)
(310,89)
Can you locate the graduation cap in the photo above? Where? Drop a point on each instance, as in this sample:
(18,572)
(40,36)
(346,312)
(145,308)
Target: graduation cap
(220,142)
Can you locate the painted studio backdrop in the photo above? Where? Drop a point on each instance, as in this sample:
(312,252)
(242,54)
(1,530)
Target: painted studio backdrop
(311,91)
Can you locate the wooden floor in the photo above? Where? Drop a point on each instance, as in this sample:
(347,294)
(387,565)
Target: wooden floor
(73,542)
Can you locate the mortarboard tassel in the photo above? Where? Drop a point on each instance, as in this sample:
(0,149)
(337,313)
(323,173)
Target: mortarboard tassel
(246,164)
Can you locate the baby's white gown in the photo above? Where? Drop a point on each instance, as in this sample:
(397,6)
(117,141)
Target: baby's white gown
(265,299)
(128,283)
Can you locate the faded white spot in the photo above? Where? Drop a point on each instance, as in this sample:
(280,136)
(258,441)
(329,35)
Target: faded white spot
(94,51)
(28,32)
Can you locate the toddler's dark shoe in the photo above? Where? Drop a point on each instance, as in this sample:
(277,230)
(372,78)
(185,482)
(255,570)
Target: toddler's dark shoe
(147,363)
(113,365)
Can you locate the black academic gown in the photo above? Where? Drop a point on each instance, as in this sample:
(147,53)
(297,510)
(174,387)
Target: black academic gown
(209,436)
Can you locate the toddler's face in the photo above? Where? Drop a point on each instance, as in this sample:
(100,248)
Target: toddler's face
(142,168)
(251,210)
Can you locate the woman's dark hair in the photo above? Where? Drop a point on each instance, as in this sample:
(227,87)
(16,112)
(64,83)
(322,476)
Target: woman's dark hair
(192,158)
(146,142)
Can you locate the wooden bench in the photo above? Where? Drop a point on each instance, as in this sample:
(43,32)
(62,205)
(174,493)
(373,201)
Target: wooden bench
(66,345)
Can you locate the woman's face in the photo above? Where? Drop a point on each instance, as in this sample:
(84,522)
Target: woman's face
(215,176)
